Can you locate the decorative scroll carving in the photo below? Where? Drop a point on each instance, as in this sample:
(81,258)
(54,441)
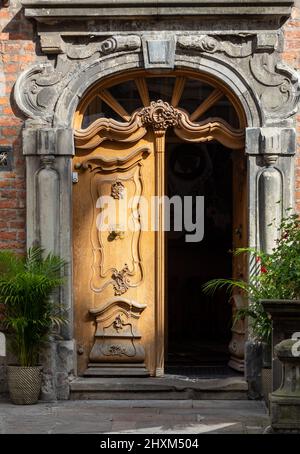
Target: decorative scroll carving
(159,115)
(35,91)
(210,129)
(103,163)
(83,47)
(203,43)
(108,129)
(212,44)
(117,338)
(121,280)
(117,190)
(39,87)
(278,87)
(108,46)
(108,265)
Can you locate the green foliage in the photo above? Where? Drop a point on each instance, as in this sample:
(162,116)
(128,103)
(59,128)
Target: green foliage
(27,312)
(272,276)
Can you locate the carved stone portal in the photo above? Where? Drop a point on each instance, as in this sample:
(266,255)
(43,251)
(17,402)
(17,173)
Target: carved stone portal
(246,61)
(117,338)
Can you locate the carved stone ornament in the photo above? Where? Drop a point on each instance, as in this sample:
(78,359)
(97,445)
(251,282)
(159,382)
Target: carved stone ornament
(241,47)
(254,57)
(276,84)
(87,46)
(279,85)
(121,281)
(160,115)
(38,88)
(35,91)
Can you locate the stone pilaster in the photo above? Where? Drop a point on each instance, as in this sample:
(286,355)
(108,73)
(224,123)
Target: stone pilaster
(48,153)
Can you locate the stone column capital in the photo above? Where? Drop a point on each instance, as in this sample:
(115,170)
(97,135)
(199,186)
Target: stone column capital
(48,141)
(271,141)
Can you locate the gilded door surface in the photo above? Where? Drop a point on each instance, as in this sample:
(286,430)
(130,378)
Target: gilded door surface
(114,274)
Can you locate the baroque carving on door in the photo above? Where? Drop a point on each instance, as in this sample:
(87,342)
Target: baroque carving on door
(119,271)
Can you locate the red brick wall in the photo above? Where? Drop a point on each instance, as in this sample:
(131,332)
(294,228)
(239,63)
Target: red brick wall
(291,55)
(17,51)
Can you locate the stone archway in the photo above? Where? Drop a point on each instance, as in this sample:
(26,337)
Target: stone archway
(268,92)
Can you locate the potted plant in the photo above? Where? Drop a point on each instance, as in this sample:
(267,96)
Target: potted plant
(28,315)
(274,276)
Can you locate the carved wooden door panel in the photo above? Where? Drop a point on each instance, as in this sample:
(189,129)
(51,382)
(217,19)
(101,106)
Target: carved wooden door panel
(119,263)
(114,268)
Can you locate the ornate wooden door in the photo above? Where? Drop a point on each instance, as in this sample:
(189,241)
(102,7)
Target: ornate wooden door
(119,266)
(114,278)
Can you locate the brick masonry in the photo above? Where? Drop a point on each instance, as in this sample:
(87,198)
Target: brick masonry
(291,55)
(19,48)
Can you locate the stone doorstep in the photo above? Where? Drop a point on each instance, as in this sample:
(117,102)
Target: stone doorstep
(158,388)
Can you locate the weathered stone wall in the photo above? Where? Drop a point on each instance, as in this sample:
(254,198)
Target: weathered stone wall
(18,50)
(291,55)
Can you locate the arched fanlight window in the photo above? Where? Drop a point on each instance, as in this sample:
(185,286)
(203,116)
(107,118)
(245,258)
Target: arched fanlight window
(199,101)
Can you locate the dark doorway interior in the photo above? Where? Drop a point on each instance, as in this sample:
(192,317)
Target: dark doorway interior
(199,325)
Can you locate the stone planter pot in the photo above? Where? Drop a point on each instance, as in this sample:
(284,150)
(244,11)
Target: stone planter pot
(266,372)
(285,401)
(266,355)
(259,369)
(285,316)
(24,384)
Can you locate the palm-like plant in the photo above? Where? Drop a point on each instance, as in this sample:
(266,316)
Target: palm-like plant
(272,276)
(255,291)
(27,312)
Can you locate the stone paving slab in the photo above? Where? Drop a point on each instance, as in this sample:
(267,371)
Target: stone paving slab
(146,417)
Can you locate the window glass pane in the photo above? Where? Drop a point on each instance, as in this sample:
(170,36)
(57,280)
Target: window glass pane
(98,109)
(194,93)
(225,110)
(127,95)
(160,88)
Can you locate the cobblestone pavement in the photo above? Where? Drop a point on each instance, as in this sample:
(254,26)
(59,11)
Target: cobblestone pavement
(146,417)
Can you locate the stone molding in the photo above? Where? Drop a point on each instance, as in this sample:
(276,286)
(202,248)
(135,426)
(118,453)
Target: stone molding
(271,141)
(58,10)
(253,59)
(87,45)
